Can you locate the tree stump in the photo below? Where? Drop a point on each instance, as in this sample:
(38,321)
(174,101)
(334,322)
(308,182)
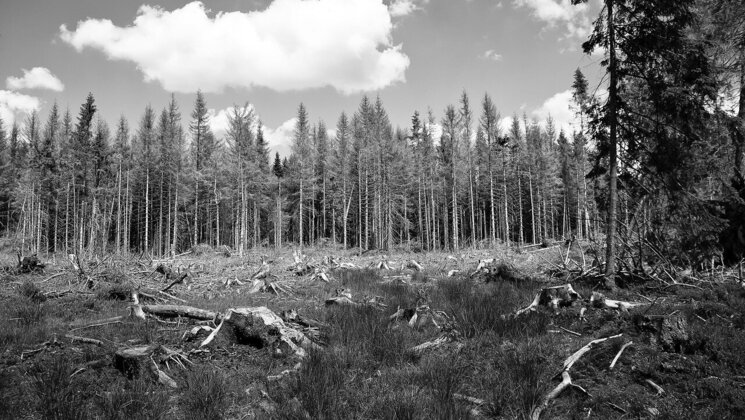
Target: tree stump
(134,362)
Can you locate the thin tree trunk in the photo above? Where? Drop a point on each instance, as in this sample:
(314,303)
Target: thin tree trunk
(175,219)
(610,256)
(147,211)
(196,212)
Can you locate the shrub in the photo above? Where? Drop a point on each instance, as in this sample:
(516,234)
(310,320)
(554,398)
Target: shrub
(32,292)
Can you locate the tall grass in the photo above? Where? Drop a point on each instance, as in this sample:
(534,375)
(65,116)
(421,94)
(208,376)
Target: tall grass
(482,308)
(205,395)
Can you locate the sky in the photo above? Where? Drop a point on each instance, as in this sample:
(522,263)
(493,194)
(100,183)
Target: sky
(275,54)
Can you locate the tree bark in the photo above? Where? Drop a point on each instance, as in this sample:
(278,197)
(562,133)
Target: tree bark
(610,255)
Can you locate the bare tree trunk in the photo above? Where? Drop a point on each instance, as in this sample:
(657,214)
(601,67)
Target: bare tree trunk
(67,220)
(506,211)
(610,256)
(175,219)
(196,211)
(147,211)
(119,211)
(473,204)
(217,213)
(520,205)
(492,207)
(300,215)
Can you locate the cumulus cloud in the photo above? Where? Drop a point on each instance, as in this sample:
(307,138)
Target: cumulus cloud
(36,78)
(491,55)
(280,139)
(399,8)
(15,105)
(559,108)
(290,45)
(560,12)
(219,119)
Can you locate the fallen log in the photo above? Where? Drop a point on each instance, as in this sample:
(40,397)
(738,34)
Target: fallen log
(173,311)
(598,300)
(86,340)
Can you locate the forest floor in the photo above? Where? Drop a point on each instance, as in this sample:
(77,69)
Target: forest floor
(682,344)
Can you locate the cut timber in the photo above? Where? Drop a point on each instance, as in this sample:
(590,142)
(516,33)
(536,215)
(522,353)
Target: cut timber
(598,300)
(554,297)
(444,340)
(414,265)
(86,340)
(172,311)
(340,300)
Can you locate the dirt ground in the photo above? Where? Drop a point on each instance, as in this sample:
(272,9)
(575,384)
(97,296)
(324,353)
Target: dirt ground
(682,341)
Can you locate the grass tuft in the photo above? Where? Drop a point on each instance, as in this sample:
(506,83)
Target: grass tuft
(205,395)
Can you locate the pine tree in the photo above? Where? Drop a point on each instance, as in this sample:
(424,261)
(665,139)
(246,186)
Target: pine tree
(302,150)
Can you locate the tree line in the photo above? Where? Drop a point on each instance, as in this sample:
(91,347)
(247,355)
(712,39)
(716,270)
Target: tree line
(655,164)
(164,186)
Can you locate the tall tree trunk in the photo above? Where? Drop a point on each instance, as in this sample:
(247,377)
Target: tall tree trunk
(147,211)
(506,211)
(520,205)
(196,211)
(532,206)
(119,211)
(300,214)
(472,204)
(740,125)
(67,220)
(175,219)
(492,207)
(217,213)
(610,255)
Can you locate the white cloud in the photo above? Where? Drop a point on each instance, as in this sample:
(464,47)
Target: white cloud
(399,8)
(290,45)
(36,78)
(491,55)
(555,12)
(280,139)
(219,120)
(16,105)
(559,108)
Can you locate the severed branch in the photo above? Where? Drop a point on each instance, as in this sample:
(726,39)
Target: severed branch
(175,282)
(615,359)
(86,340)
(566,380)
